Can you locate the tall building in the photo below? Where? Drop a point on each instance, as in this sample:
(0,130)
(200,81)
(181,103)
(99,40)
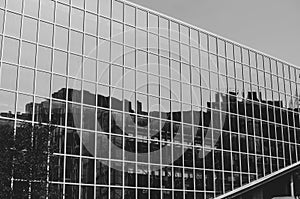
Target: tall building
(146,106)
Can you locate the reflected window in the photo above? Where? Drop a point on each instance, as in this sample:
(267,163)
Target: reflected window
(15,5)
(74,91)
(103,72)
(47,10)
(129,15)
(8,76)
(44,58)
(77,19)
(59,87)
(1,20)
(116,174)
(90,23)
(104,27)
(89,69)
(89,93)
(104,50)
(76,42)
(103,96)
(117,32)
(141,19)
(11,52)
(28,54)
(25,107)
(88,118)
(87,191)
(31,7)
(203,41)
(103,120)
(29,29)
(74,115)
(90,46)
(105,7)
(102,150)
(62,14)
(88,144)
(45,33)
(72,191)
(13,24)
(26,78)
(58,112)
(73,142)
(43,81)
(178,178)
(72,172)
(117,99)
(102,173)
(61,38)
(60,62)
(75,63)
(117,74)
(41,112)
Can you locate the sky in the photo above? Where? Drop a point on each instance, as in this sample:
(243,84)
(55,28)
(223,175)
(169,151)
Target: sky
(270,26)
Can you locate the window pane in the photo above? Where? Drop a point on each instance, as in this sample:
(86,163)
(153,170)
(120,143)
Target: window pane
(129,15)
(43,81)
(58,84)
(117,32)
(104,27)
(62,14)
(116,76)
(12,24)
(1,20)
(90,46)
(77,19)
(117,11)
(92,5)
(105,7)
(89,93)
(117,53)
(88,121)
(89,69)
(60,62)
(76,39)
(31,7)
(75,63)
(28,54)
(29,29)
(47,10)
(78,3)
(7,104)
(103,72)
(26,77)
(22,107)
(8,76)
(74,90)
(46,33)
(44,58)
(14,5)
(90,23)
(61,38)
(141,19)
(104,50)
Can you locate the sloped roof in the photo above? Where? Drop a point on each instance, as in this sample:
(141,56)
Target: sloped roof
(260,182)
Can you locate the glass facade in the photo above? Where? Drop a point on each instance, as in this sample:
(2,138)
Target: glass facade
(145,106)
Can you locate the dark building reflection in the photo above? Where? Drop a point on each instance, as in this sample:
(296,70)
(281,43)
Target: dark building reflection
(230,141)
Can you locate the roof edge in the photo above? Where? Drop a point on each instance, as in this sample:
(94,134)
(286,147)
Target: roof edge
(261,181)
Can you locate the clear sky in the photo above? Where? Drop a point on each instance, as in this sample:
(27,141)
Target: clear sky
(270,26)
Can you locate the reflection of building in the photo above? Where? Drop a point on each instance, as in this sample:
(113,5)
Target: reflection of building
(195,116)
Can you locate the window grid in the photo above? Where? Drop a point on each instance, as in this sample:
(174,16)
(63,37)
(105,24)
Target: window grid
(212,50)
